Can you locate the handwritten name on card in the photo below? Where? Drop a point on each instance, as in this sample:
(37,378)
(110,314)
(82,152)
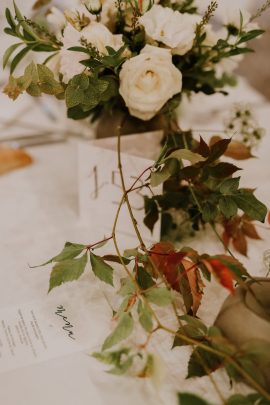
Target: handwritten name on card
(100,190)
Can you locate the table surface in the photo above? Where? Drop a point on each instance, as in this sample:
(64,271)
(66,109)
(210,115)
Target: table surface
(39,212)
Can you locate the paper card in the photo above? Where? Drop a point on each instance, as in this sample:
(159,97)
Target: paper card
(100,189)
(39,331)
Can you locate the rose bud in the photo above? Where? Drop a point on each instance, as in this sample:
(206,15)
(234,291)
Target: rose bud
(93,6)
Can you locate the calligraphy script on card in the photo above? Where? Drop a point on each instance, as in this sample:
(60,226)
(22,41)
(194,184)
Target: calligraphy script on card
(61,311)
(100,190)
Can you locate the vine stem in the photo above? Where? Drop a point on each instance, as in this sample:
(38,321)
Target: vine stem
(143,247)
(228,358)
(130,275)
(187,339)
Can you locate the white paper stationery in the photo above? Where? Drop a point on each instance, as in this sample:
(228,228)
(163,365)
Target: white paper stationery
(39,331)
(100,189)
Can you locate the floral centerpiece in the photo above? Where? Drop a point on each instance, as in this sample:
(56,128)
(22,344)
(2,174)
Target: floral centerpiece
(137,56)
(141,58)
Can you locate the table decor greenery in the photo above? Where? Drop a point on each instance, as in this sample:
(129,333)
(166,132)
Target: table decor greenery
(143,64)
(163,277)
(112,56)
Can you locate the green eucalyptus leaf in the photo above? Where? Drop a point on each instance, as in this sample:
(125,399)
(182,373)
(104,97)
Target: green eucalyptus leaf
(101,269)
(159,296)
(122,331)
(34,90)
(67,270)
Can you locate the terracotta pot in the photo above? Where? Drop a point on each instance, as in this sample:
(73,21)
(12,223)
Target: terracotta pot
(245,317)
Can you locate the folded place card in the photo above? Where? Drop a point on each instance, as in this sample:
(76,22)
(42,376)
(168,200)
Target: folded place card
(100,190)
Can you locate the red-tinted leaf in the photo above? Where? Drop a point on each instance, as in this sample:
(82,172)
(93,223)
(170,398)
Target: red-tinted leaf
(203,148)
(268,218)
(169,263)
(250,230)
(236,150)
(240,243)
(223,170)
(222,273)
(166,261)
(234,265)
(226,238)
(218,149)
(196,286)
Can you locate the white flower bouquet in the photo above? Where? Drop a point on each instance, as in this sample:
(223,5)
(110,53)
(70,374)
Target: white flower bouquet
(137,56)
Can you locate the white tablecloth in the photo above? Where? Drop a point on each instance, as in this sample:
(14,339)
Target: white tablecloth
(39,212)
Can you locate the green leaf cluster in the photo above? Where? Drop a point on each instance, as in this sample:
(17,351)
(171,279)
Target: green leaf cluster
(71,263)
(37,79)
(32,36)
(191,327)
(84,93)
(204,190)
(122,331)
(121,360)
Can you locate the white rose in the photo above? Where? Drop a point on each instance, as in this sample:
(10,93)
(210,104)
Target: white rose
(148,81)
(57,21)
(96,34)
(172,28)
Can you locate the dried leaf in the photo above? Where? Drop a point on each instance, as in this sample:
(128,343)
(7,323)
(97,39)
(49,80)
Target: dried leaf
(182,275)
(196,286)
(238,151)
(240,243)
(250,230)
